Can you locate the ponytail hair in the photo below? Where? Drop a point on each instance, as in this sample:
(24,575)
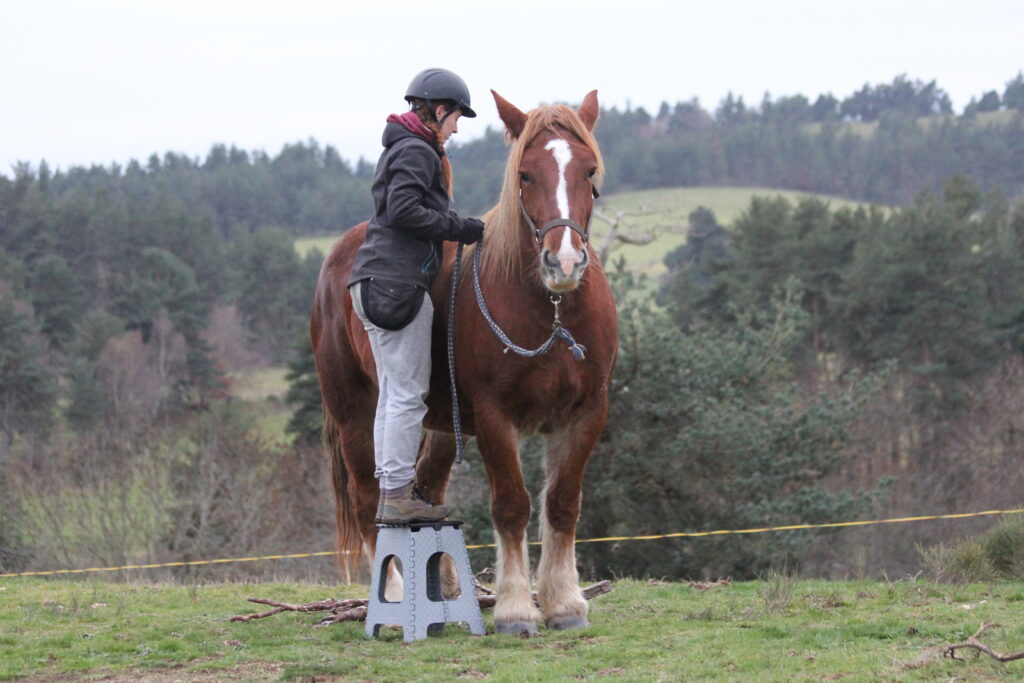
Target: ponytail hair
(424,109)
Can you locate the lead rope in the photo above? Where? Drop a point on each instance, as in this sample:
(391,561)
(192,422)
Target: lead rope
(578,351)
(456,416)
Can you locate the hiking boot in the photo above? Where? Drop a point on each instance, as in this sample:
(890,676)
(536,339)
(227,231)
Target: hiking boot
(405,505)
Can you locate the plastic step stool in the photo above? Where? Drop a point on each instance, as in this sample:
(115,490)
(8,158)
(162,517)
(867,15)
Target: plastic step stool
(423,609)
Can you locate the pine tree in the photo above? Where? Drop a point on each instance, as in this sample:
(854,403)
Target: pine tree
(28,390)
(306,422)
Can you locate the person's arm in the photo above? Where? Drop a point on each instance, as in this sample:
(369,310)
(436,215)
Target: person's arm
(412,170)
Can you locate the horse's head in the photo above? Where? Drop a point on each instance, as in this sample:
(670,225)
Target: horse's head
(553,174)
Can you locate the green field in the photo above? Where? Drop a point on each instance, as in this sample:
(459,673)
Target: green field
(304,245)
(660,212)
(665,212)
(778,629)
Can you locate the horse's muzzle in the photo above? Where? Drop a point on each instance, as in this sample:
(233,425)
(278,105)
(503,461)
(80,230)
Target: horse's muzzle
(562,275)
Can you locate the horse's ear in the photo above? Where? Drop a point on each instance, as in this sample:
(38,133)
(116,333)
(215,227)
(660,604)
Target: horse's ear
(514,119)
(589,111)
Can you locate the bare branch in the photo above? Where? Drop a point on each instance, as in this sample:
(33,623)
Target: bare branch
(328,605)
(354,609)
(640,241)
(974,643)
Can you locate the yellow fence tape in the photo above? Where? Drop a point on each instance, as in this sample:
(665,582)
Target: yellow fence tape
(609,539)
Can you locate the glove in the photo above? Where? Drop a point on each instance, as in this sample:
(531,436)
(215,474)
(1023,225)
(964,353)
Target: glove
(472,230)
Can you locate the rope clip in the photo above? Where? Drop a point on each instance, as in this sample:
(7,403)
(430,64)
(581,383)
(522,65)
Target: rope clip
(557,322)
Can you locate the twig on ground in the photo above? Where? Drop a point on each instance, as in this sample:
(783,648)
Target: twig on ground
(354,609)
(318,606)
(973,642)
(708,585)
(485,574)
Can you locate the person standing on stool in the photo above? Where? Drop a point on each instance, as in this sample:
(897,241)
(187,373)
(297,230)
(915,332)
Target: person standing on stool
(393,272)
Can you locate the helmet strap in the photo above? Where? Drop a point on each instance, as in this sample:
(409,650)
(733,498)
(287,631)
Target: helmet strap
(449,113)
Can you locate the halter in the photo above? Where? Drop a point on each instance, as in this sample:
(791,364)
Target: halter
(539,233)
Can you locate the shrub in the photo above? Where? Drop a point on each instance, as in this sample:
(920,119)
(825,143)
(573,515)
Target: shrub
(998,553)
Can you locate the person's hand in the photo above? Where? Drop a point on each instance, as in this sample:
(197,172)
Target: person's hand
(472,230)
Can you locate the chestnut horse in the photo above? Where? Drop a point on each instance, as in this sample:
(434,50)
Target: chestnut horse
(551,179)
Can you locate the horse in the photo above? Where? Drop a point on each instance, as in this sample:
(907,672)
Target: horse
(527,276)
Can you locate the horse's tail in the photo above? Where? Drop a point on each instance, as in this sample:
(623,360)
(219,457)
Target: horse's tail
(349,540)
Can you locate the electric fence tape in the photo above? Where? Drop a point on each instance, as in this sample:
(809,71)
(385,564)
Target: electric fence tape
(607,539)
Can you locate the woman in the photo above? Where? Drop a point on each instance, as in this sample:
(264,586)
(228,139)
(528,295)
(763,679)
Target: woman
(393,271)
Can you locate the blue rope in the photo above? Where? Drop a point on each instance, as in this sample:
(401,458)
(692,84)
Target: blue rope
(456,416)
(578,351)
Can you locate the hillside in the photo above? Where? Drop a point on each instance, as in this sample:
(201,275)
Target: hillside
(662,212)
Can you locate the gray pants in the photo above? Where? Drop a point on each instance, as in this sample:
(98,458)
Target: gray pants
(403,379)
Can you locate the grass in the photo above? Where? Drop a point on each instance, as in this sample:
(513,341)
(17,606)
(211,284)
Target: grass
(259,383)
(666,213)
(264,390)
(661,631)
(304,245)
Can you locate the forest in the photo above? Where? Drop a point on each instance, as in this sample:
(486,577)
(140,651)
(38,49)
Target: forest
(800,364)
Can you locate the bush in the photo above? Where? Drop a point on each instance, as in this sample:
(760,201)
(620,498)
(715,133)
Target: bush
(1004,548)
(998,553)
(204,489)
(708,430)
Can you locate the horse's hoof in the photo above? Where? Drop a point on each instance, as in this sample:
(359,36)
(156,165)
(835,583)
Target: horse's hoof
(568,622)
(526,629)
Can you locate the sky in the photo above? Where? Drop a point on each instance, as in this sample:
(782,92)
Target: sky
(107,81)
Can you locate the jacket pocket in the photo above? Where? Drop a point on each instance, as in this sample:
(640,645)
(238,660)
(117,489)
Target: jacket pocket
(389,304)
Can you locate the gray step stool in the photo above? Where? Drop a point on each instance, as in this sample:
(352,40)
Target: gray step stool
(418,547)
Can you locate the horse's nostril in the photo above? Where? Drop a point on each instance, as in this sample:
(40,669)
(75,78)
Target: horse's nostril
(548,258)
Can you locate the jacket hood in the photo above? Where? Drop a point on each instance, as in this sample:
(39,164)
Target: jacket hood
(393,132)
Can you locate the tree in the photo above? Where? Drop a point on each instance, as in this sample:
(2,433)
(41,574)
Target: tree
(915,292)
(272,297)
(689,283)
(28,390)
(825,108)
(1013,95)
(87,403)
(989,101)
(58,298)
(708,430)
(306,423)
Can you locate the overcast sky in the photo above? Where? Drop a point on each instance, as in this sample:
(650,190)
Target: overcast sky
(106,81)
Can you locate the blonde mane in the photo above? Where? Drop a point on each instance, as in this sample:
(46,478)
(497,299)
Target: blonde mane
(506,230)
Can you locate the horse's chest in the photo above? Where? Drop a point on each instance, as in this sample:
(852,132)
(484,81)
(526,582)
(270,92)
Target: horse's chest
(543,396)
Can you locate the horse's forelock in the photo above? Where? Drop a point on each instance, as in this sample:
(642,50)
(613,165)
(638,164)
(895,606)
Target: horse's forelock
(506,231)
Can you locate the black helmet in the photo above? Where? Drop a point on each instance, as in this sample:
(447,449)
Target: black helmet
(440,84)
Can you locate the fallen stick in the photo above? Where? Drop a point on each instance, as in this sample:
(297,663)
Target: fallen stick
(973,642)
(354,609)
(318,606)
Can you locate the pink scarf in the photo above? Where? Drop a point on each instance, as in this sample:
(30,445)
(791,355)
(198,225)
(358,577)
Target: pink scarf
(412,122)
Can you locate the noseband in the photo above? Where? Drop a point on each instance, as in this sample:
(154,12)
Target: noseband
(539,233)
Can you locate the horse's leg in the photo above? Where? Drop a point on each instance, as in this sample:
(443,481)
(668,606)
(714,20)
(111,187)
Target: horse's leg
(434,465)
(558,589)
(433,468)
(514,612)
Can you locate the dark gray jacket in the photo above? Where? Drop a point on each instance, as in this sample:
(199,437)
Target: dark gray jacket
(403,239)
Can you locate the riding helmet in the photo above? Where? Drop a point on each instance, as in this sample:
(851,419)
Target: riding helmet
(440,84)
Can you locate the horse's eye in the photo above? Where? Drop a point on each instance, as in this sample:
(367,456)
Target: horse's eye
(524,177)
(593,172)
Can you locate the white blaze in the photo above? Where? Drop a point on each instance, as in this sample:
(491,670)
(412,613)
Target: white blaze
(567,256)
